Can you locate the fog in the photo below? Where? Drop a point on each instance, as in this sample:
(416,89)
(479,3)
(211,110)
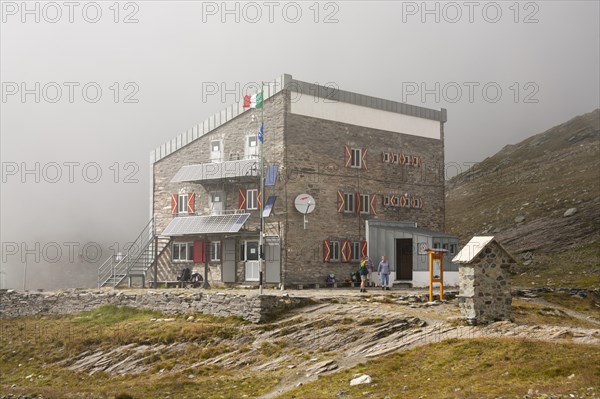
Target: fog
(90,88)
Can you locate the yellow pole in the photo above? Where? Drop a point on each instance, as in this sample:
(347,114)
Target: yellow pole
(430,253)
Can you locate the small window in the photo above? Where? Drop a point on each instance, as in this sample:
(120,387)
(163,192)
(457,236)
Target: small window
(183,251)
(355,158)
(355,252)
(436,245)
(252,199)
(395,158)
(252,141)
(215,251)
(452,249)
(215,146)
(182,203)
(364,203)
(335,251)
(386,157)
(349,202)
(445,246)
(386,200)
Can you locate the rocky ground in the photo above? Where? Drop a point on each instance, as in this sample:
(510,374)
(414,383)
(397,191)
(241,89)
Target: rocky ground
(343,329)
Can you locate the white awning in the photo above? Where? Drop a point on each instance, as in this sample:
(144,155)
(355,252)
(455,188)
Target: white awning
(213,224)
(216,170)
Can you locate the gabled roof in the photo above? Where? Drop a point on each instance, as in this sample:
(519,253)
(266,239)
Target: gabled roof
(474,247)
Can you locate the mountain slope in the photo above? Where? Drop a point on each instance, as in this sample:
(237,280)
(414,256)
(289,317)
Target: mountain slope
(522,194)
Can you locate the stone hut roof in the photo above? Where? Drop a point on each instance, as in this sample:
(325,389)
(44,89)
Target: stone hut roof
(474,247)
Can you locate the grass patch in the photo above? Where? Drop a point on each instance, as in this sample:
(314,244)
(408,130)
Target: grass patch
(482,368)
(589,305)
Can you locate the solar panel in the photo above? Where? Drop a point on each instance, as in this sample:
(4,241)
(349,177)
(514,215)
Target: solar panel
(216,170)
(206,224)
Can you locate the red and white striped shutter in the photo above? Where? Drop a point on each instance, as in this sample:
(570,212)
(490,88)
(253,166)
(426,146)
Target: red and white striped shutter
(326,250)
(363,158)
(372,209)
(242,199)
(403,159)
(363,248)
(421,203)
(357,202)
(191,205)
(199,251)
(174,203)
(340,201)
(347,156)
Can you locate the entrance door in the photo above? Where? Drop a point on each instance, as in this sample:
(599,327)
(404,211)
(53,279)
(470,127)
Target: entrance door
(272,259)
(404,259)
(228,249)
(252,262)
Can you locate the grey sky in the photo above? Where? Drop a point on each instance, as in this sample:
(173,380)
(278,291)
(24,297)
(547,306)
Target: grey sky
(177,49)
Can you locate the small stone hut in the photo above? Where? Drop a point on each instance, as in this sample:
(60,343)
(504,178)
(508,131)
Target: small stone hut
(484,269)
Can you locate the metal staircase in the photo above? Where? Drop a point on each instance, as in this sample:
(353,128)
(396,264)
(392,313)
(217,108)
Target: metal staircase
(136,262)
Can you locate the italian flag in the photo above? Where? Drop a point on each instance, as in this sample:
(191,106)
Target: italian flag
(254,101)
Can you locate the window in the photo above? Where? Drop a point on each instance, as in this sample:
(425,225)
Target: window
(355,158)
(436,245)
(182,203)
(249,250)
(445,246)
(216,151)
(364,203)
(355,252)
(395,158)
(335,251)
(386,157)
(386,200)
(215,251)
(251,147)
(183,252)
(349,202)
(216,199)
(452,249)
(252,199)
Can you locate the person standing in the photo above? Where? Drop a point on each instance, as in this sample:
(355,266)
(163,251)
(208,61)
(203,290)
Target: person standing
(384,270)
(363,271)
(371,268)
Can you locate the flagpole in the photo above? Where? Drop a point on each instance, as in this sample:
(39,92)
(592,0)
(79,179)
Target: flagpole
(262,182)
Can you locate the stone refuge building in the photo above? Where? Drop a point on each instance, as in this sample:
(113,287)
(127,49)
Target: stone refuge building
(373,169)
(484,275)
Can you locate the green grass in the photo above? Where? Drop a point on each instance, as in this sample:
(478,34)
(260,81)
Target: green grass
(477,368)
(34,347)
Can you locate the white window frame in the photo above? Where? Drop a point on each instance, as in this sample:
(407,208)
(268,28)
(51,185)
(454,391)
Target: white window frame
(386,157)
(335,251)
(215,251)
(349,202)
(251,150)
(221,196)
(394,158)
(252,199)
(216,156)
(189,251)
(182,198)
(356,158)
(365,204)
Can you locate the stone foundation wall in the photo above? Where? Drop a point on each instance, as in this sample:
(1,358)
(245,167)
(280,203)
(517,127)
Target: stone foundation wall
(252,307)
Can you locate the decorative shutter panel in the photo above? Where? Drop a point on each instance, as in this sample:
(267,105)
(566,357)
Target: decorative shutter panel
(199,251)
(363,158)
(191,205)
(363,248)
(174,204)
(242,199)
(372,209)
(340,202)
(258,193)
(347,156)
(346,251)
(326,251)
(421,203)
(357,203)
(403,159)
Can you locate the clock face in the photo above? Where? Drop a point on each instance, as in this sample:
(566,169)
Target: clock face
(305,203)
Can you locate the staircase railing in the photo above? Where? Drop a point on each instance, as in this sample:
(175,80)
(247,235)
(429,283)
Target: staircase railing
(116,268)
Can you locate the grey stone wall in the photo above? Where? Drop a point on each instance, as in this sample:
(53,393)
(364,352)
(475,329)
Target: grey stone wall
(252,307)
(315,151)
(484,286)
